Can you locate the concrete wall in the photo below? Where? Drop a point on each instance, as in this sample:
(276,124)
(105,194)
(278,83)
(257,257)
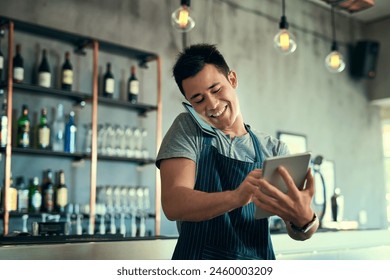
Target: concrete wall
(278,93)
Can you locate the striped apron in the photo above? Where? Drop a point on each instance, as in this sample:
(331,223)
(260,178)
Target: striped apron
(234,235)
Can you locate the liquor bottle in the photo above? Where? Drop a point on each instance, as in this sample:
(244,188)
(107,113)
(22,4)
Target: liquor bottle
(70,135)
(1,67)
(22,195)
(3,124)
(18,70)
(58,129)
(43,131)
(23,130)
(34,196)
(44,75)
(12,196)
(62,192)
(108,82)
(133,86)
(337,204)
(67,73)
(47,192)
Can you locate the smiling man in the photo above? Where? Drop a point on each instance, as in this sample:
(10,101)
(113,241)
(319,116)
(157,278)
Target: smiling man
(210,178)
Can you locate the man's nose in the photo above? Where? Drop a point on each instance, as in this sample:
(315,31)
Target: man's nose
(212,102)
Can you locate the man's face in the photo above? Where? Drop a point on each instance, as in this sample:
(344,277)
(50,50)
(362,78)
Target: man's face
(214,97)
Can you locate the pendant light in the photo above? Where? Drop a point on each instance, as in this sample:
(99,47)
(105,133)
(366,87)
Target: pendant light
(284,41)
(181,19)
(334,61)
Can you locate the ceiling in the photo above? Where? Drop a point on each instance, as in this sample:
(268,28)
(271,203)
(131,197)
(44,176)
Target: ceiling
(379,11)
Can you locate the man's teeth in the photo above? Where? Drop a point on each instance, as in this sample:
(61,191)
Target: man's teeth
(217,114)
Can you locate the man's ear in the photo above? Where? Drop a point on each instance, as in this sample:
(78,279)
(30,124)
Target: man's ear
(232,77)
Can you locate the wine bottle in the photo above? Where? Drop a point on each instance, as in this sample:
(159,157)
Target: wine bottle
(70,134)
(58,129)
(133,86)
(47,192)
(108,82)
(43,131)
(44,75)
(22,195)
(3,124)
(34,196)
(61,192)
(23,130)
(67,73)
(18,66)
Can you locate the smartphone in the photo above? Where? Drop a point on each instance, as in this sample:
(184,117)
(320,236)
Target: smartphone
(202,123)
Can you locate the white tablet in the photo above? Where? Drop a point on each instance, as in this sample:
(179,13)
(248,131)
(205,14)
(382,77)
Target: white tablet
(296,164)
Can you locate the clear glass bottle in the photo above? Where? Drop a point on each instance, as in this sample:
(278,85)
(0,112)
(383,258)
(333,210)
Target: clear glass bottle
(1,66)
(70,134)
(58,130)
(22,195)
(3,124)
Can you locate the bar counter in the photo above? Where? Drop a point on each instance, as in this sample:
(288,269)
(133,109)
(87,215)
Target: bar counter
(371,244)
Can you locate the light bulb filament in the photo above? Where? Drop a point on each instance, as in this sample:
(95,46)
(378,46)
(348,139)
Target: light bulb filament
(284,41)
(335,60)
(183,17)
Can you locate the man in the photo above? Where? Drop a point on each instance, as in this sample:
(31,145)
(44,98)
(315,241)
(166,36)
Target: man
(209,178)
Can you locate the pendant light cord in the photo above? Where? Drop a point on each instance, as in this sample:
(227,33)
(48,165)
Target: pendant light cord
(333,24)
(283,7)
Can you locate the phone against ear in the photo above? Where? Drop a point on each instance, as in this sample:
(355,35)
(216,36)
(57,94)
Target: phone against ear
(201,123)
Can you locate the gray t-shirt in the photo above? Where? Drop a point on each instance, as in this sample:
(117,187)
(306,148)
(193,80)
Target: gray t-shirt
(185,139)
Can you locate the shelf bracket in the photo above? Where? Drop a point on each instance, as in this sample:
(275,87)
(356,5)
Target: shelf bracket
(81,45)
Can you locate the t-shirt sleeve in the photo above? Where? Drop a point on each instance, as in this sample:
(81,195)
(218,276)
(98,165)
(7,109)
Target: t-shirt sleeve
(181,140)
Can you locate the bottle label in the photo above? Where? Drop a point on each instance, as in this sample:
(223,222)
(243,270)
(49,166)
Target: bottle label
(24,135)
(134,87)
(36,200)
(18,73)
(110,86)
(3,131)
(48,199)
(12,199)
(44,79)
(22,200)
(62,197)
(67,77)
(44,137)
(1,62)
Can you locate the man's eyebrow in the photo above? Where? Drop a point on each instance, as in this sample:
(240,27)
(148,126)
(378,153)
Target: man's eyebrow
(210,87)
(213,85)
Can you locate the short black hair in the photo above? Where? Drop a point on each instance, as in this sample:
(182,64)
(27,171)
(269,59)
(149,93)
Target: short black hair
(192,60)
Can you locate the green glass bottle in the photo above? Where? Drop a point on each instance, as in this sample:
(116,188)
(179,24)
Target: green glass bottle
(43,131)
(23,131)
(34,196)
